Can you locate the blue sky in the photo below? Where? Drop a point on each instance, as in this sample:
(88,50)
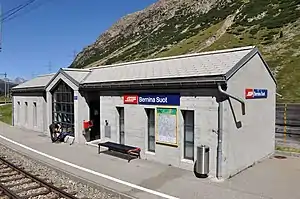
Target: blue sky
(52,32)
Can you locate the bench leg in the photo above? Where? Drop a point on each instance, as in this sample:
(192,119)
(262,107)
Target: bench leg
(98,149)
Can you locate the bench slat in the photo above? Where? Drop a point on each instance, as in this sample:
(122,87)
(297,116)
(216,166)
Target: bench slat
(130,150)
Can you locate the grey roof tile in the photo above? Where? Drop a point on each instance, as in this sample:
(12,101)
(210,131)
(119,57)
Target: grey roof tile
(77,74)
(200,64)
(39,81)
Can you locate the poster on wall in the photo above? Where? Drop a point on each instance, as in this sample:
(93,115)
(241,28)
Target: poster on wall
(166,128)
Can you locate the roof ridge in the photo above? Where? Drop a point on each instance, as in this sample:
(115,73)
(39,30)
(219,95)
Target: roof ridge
(174,57)
(43,75)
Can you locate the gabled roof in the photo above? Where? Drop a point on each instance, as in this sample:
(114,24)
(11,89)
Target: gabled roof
(74,75)
(36,83)
(191,69)
(41,82)
(214,64)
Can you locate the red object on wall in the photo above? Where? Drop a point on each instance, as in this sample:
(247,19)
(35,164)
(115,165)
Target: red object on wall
(87,124)
(130,99)
(249,93)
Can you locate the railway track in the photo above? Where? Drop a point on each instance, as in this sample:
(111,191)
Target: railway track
(16,183)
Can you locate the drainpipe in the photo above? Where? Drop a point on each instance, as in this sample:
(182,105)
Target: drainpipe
(220,129)
(220,140)
(236,98)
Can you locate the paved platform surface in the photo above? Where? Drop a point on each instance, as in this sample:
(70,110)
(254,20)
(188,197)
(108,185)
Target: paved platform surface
(272,178)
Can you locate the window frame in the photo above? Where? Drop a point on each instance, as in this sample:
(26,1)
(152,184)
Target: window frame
(121,112)
(187,125)
(26,112)
(63,106)
(149,123)
(34,114)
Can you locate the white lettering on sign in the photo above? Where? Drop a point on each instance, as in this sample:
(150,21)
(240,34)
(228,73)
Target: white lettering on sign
(148,99)
(249,93)
(163,100)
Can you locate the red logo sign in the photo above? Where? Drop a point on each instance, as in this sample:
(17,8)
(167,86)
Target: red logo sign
(249,93)
(130,99)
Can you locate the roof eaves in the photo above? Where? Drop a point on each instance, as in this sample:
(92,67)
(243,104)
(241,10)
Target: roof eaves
(245,60)
(28,89)
(69,77)
(53,78)
(241,63)
(267,66)
(165,82)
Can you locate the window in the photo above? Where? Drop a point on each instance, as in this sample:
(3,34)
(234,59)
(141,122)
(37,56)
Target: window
(26,112)
(188,117)
(34,114)
(18,112)
(151,129)
(121,125)
(63,106)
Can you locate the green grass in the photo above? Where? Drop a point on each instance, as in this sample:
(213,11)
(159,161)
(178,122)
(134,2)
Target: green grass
(271,25)
(193,42)
(6,113)
(287,149)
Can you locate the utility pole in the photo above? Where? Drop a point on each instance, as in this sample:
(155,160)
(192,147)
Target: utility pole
(49,66)
(1,21)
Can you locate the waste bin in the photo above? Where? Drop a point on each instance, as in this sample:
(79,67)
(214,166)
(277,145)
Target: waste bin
(202,167)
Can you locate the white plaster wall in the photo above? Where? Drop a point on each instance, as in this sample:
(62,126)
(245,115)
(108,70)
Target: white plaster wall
(19,112)
(256,139)
(81,113)
(136,128)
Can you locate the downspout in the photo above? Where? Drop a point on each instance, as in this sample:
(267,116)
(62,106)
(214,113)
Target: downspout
(220,128)
(220,140)
(233,97)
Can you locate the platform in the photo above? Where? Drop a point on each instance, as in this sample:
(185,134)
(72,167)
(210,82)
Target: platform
(144,179)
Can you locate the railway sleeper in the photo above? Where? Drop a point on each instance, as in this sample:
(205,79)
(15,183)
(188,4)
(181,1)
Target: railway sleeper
(34,192)
(8,174)
(17,177)
(19,189)
(17,183)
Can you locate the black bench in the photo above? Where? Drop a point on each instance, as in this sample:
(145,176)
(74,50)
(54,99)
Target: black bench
(121,148)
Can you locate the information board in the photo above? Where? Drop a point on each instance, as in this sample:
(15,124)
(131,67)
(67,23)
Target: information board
(166,128)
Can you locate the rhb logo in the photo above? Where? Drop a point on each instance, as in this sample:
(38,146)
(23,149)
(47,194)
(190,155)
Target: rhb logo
(130,99)
(255,93)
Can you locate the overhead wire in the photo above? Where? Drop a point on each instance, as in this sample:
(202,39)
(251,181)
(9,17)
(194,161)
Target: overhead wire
(15,10)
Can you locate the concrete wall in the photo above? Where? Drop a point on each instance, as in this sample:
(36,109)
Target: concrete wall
(205,120)
(82,112)
(19,112)
(256,138)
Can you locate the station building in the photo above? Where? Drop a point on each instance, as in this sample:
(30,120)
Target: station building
(167,107)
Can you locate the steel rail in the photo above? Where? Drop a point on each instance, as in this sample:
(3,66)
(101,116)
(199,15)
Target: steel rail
(61,193)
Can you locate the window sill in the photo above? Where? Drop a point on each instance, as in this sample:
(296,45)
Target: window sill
(150,153)
(187,161)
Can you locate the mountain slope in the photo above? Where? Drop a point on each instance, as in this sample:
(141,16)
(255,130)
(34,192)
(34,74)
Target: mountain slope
(173,27)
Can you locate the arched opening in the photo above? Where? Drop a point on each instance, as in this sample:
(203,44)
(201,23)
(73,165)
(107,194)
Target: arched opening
(63,106)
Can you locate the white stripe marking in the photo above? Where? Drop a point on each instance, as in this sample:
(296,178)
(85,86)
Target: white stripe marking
(92,172)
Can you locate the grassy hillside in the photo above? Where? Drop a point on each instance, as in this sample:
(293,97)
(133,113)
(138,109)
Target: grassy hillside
(272,25)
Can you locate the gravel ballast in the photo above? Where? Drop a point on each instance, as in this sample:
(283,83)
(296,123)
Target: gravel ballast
(58,178)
